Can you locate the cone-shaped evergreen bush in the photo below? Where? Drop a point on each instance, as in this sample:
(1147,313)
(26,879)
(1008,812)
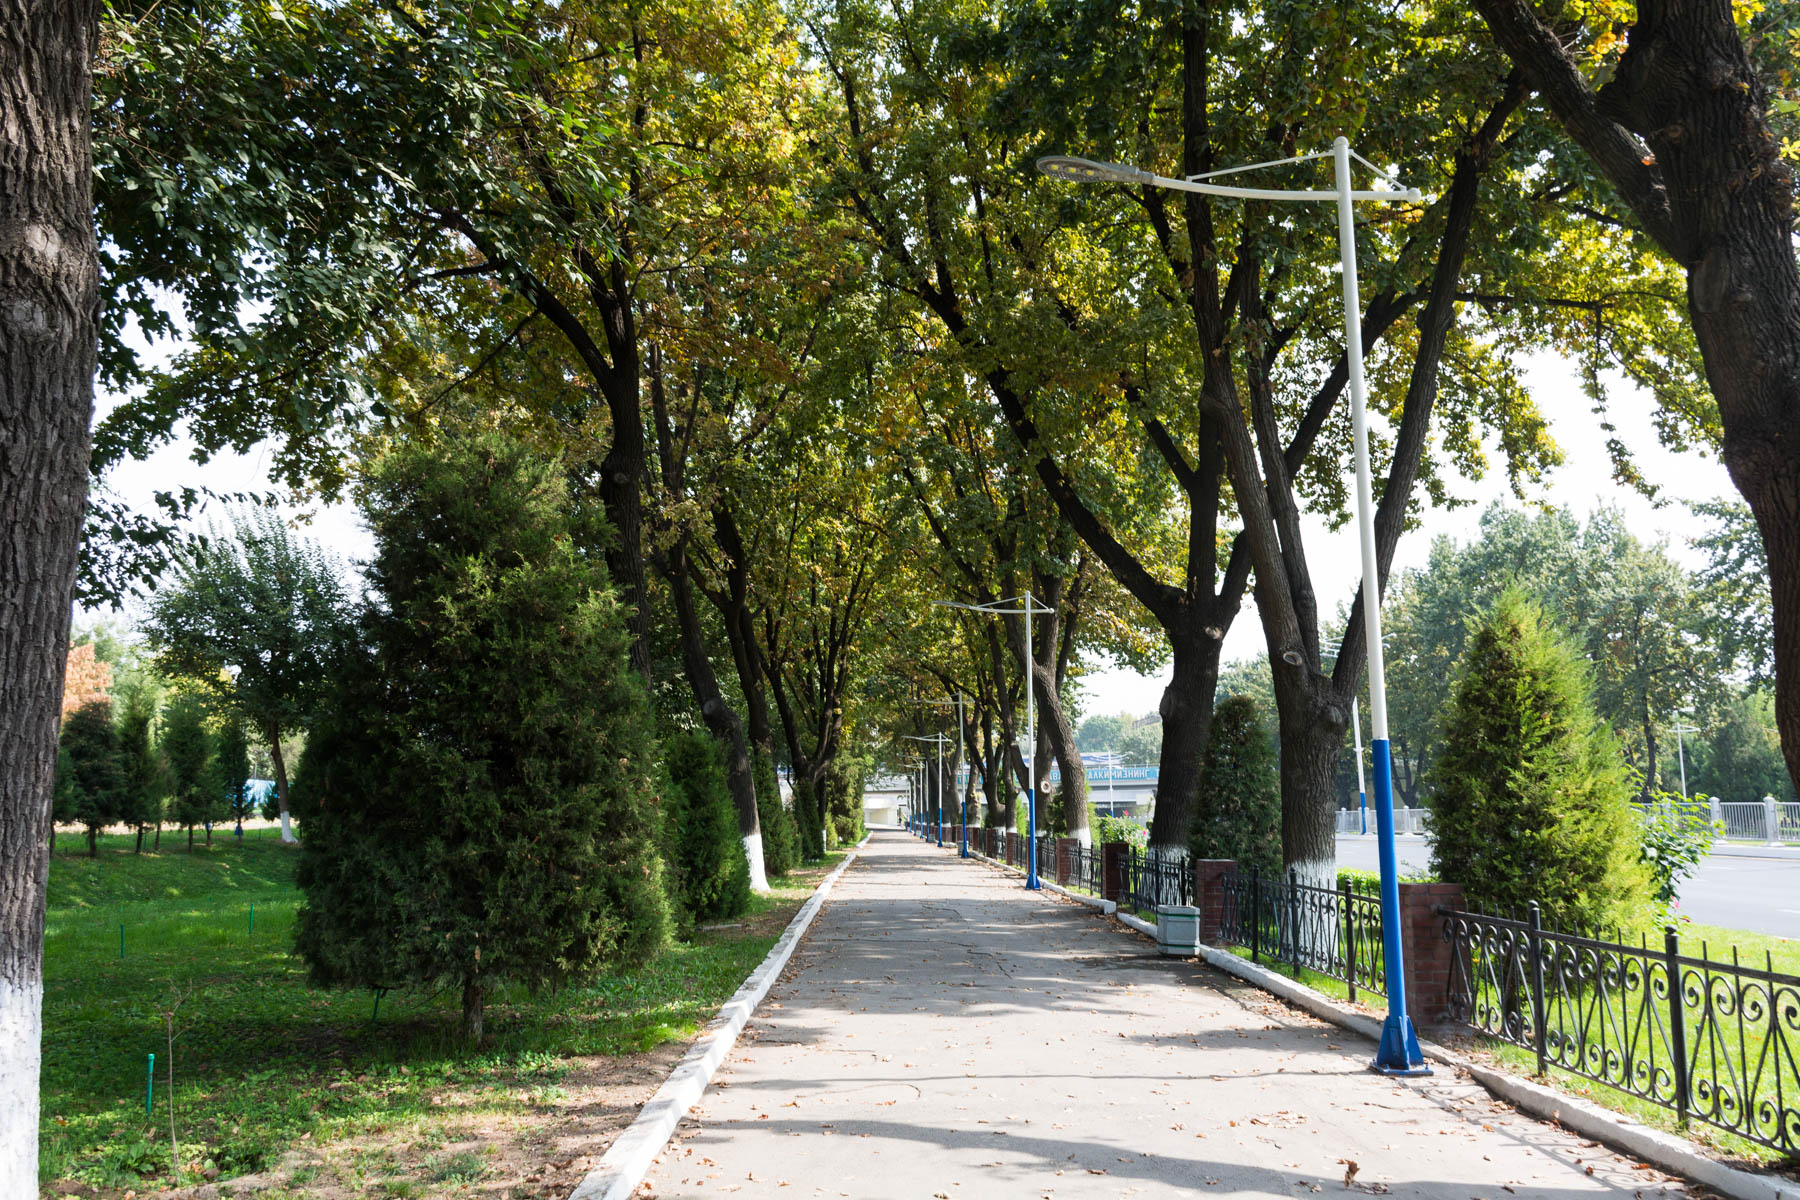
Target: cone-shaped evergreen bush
(781,845)
(709,861)
(93,792)
(194,790)
(808,831)
(1239,814)
(1532,799)
(478,792)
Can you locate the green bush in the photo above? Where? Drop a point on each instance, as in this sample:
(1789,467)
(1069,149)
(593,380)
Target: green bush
(807,829)
(1532,799)
(1239,814)
(708,854)
(780,841)
(1677,835)
(479,790)
(195,793)
(93,790)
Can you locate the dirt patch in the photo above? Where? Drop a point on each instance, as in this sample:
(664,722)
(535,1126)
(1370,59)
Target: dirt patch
(536,1141)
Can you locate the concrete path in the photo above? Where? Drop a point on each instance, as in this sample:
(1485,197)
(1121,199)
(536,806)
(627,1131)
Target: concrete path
(945,1034)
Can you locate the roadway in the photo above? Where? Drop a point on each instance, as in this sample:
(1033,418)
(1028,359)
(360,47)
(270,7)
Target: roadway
(1738,887)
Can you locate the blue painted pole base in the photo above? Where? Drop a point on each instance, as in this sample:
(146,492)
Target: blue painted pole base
(1399,1052)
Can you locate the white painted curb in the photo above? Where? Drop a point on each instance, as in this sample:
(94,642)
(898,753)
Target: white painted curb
(628,1160)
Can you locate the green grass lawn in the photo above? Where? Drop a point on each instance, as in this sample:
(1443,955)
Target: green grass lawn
(262,1059)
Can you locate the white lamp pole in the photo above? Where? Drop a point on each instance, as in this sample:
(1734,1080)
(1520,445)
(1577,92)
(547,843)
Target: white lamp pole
(1027,605)
(1399,1052)
(938,789)
(1682,727)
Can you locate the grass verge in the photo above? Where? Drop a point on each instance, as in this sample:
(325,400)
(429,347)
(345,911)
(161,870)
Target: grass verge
(142,948)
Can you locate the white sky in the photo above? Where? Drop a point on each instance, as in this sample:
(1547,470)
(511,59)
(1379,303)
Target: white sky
(1582,483)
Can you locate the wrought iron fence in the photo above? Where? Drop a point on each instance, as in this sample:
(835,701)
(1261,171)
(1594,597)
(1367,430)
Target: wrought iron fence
(1333,931)
(1153,877)
(1714,1041)
(1084,869)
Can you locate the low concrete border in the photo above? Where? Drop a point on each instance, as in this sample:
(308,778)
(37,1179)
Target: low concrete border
(626,1162)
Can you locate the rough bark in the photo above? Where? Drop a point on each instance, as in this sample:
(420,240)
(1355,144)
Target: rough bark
(281,786)
(1682,135)
(48,298)
(474,993)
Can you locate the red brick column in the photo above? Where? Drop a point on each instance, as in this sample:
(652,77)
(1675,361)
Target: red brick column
(1065,859)
(1209,895)
(1012,846)
(1112,870)
(1428,954)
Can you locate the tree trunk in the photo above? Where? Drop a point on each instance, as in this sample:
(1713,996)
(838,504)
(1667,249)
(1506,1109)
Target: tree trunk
(1312,742)
(281,787)
(93,842)
(721,720)
(1187,712)
(1682,134)
(157,844)
(1649,788)
(139,847)
(48,301)
(473,994)
(190,833)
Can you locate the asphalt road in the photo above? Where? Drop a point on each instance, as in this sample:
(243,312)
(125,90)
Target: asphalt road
(1735,891)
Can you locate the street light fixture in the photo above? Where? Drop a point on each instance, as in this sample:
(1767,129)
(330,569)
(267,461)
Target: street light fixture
(1398,1053)
(1026,604)
(940,739)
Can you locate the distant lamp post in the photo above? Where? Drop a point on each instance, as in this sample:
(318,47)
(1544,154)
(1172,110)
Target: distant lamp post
(962,812)
(1682,727)
(1398,1053)
(938,783)
(1026,604)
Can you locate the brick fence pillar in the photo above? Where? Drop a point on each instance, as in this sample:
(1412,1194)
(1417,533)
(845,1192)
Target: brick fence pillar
(1209,895)
(1065,859)
(1112,870)
(1428,954)
(1012,847)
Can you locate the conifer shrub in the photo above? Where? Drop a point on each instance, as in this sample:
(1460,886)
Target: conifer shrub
(194,789)
(479,791)
(808,831)
(1239,813)
(93,791)
(780,841)
(708,854)
(233,752)
(1532,797)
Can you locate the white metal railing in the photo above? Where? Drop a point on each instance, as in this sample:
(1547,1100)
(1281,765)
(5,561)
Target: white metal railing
(1768,821)
(1406,820)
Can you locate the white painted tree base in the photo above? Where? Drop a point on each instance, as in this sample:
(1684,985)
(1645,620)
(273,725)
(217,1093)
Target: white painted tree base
(759,878)
(287,831)
(21,1041)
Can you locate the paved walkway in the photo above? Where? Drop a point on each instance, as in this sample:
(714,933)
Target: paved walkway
(944,1033)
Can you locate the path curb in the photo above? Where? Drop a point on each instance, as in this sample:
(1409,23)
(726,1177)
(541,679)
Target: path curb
(1614,1130)
(626,1162)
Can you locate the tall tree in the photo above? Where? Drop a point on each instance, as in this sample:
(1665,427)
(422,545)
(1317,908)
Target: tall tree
(194,789)
(48,334)
(1683,129)
(256,620)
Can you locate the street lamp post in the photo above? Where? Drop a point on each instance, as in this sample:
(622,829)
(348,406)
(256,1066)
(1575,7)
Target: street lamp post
(1027,605)
(937,790)
(962,811)
(1398,1053)
(1682,727)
